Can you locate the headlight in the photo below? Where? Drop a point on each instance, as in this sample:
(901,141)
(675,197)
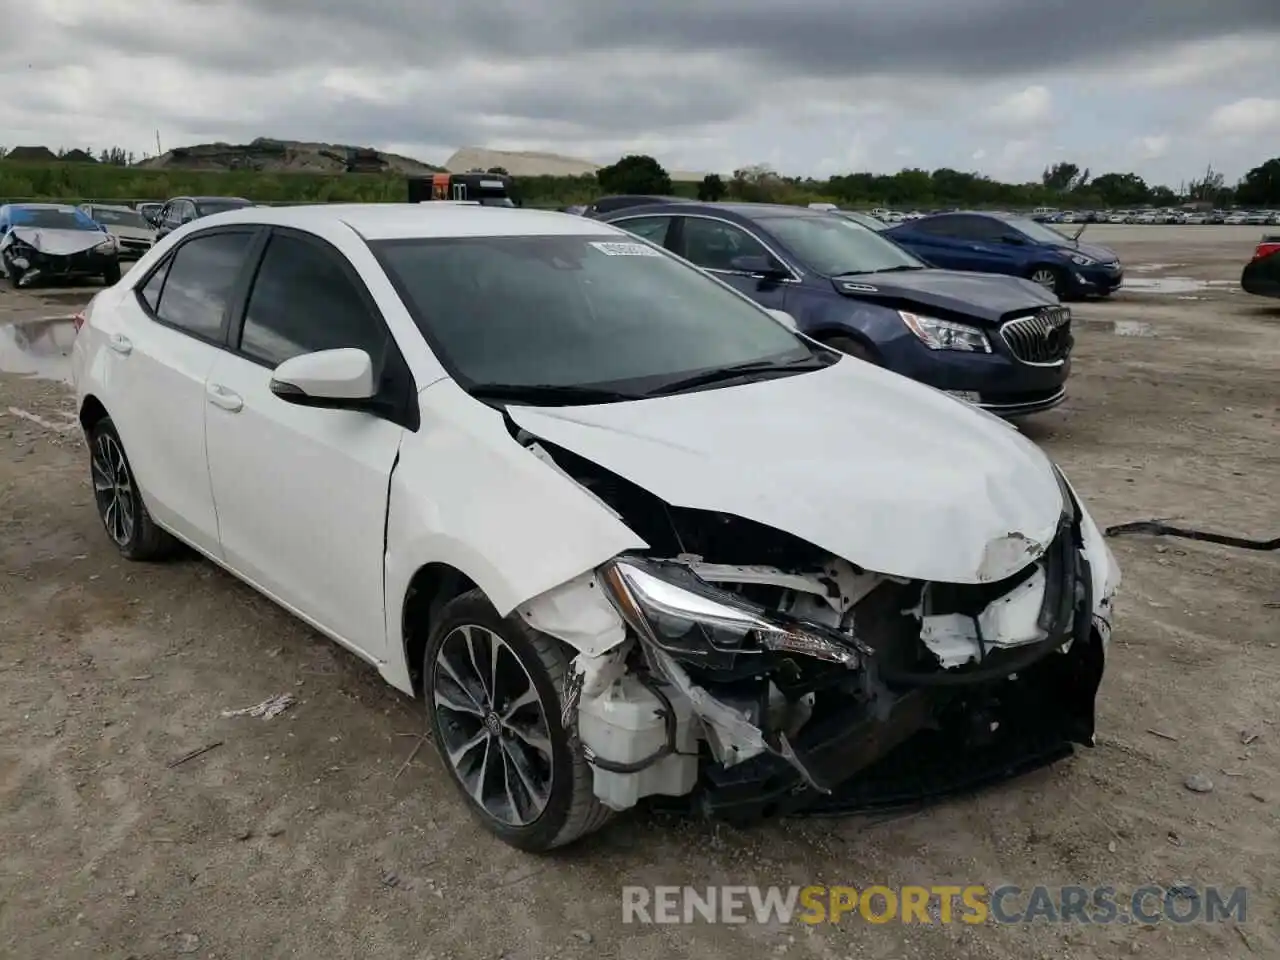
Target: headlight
(1080,260)
(110,243)
(669,606)
(944,335)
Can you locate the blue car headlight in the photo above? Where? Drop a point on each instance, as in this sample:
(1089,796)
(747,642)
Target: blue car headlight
(944,334)
(1080,260)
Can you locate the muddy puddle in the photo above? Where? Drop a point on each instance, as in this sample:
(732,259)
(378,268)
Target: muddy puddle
(1121,328)
(1174,285)
(38,348)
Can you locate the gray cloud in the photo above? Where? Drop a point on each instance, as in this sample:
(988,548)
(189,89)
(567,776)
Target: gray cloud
(725,81)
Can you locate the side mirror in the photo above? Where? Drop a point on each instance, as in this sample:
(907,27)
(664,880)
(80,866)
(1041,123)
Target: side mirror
(327,378)
(758,264)
(784,318)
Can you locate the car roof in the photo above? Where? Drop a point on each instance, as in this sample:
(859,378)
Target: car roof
(123,208)
(408,221)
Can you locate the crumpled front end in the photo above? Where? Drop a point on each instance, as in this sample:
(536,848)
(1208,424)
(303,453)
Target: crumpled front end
(29,254)
(751,674)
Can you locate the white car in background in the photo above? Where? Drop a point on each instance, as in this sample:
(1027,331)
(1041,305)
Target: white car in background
(127,225)
(622,531)
(1236,219)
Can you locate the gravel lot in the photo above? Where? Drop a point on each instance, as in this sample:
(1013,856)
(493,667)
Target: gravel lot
(314,834)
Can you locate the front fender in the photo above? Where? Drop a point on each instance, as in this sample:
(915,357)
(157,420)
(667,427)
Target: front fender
(465,494)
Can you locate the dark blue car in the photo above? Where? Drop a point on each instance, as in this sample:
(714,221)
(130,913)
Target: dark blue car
(1016,246)
(1000,342)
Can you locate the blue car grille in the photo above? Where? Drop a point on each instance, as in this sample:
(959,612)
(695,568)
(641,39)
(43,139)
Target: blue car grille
(1044,337)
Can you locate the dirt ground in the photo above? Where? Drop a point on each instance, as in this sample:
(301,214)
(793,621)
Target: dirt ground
(324,832)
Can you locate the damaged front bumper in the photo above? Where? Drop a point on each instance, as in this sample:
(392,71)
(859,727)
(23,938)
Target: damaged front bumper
(852,692)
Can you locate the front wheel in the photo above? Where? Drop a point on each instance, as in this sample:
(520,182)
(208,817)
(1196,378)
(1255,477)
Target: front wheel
(493,694)
(1050,278)
(119,502)
(111,275)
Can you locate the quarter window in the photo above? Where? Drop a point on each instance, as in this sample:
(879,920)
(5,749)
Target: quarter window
(201,276)
(303,301)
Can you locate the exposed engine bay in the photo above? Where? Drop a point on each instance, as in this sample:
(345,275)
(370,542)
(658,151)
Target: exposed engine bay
(751,673)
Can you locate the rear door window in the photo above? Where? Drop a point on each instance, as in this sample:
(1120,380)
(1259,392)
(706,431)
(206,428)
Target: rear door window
(201,277)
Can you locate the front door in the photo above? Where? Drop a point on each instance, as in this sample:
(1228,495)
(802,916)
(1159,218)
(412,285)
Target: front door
(715,245)
(301,492)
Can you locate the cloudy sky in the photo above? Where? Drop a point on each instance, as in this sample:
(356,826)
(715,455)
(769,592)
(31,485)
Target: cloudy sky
(1162,87)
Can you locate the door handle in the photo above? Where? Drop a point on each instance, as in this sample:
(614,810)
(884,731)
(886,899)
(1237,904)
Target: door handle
(120,344)
(220,396)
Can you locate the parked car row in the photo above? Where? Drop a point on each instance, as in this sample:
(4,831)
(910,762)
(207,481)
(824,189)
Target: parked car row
(621,528)
(1001,342)
(50,241)
(1161,216)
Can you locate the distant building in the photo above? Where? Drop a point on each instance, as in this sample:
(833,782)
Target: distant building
(78,156)
(31,154)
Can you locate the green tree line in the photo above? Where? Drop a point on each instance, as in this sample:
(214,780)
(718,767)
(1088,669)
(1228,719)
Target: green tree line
(1063,185)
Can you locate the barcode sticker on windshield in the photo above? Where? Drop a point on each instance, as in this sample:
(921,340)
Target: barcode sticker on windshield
(623,249)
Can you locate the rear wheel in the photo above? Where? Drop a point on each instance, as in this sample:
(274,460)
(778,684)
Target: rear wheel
(852,347)
(493,690)
(119,502)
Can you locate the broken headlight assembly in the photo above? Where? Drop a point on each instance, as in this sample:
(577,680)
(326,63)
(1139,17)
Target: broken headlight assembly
(669,606)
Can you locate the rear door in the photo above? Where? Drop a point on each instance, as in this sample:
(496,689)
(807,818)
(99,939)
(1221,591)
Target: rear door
(161,344)
(301,492)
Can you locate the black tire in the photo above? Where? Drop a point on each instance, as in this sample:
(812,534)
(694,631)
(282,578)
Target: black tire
(120,508)
(571,810)
(111,275)
(13,275)
(852,347)
(1055,285)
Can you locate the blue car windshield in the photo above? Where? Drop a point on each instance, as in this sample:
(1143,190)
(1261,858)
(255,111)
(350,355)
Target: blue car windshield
(50,218)
(1036,231)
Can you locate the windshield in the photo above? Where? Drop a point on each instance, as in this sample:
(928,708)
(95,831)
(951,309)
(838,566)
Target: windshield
(221,205)
(1036,231)
(576,311)
(497,202)
(117,218)
(835,246)
(865,219)
(51,219)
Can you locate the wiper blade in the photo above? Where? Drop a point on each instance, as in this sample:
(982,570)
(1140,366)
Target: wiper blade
(547,393)
(898,269)
(734,371)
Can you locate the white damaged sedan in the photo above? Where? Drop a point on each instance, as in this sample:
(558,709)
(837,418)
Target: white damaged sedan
(624,532)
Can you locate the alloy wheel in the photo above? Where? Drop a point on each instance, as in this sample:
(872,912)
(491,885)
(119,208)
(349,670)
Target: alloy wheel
(1046,278)
(493,725)
(113,488)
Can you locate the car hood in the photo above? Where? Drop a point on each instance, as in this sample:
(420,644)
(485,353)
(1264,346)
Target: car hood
(131,233)
(58,243)
(1092,250)
(891,475)
(984,296)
